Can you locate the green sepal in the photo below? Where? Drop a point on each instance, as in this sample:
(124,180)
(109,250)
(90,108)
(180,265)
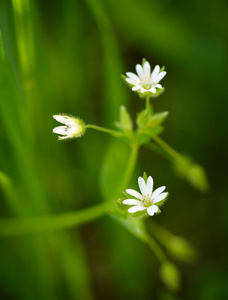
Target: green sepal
(162,69)
(122,208)
(145,177)
(158,93)
(140,214)
(143,61)
(151,95)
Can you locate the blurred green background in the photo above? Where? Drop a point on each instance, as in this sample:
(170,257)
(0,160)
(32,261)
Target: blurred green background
(67,56)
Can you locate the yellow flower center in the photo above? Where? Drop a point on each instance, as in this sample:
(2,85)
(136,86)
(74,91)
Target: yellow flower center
(146,200)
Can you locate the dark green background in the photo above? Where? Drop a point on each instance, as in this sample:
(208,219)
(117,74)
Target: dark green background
(75,53)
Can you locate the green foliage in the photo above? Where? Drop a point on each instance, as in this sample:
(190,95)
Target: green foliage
(67,56)
(111,175)
(125,123)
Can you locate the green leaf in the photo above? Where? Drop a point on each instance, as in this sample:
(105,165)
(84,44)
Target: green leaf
(143,118)
(144,135)
(143,61)
(134,226)
(125,119)
(157,119)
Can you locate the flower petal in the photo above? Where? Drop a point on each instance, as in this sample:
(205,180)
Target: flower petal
(149,185)
(146,69)
(60,119)
(155,72)
(139,70)
(132,202)
(159,86)
(158,191)
(60,130)
(135,88)
(151,210)
(142,185)
(131,81)
(133,76)
(152,90)
(64,137)
(160,197)
(134,193)
(143,90)
(159,77)
(135,209)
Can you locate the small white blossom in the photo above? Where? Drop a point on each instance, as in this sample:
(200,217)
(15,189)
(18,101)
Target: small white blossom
(148,198)
(145,82)
(73,127)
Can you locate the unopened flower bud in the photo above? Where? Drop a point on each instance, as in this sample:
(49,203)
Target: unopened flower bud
(73,128)
(170,276)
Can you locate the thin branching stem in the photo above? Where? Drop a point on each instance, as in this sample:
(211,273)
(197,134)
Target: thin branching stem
(106,130)
(157,250)
(172,152)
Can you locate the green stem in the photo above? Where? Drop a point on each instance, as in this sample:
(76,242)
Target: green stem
(76,218)
(157,149)
(112,132)
(130,167)
(167,148)
(45,223)
(157,250)
(148,102)
(161,233)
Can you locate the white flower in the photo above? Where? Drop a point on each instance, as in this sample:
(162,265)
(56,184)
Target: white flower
(148,198)
(145,81)
(73,127)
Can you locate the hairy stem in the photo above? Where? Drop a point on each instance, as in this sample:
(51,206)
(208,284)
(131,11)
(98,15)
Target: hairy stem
(131,166)
(157,250)
(112,132)
(147,102)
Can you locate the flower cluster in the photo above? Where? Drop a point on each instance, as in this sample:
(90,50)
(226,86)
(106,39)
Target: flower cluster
(148,200)
(145,82)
